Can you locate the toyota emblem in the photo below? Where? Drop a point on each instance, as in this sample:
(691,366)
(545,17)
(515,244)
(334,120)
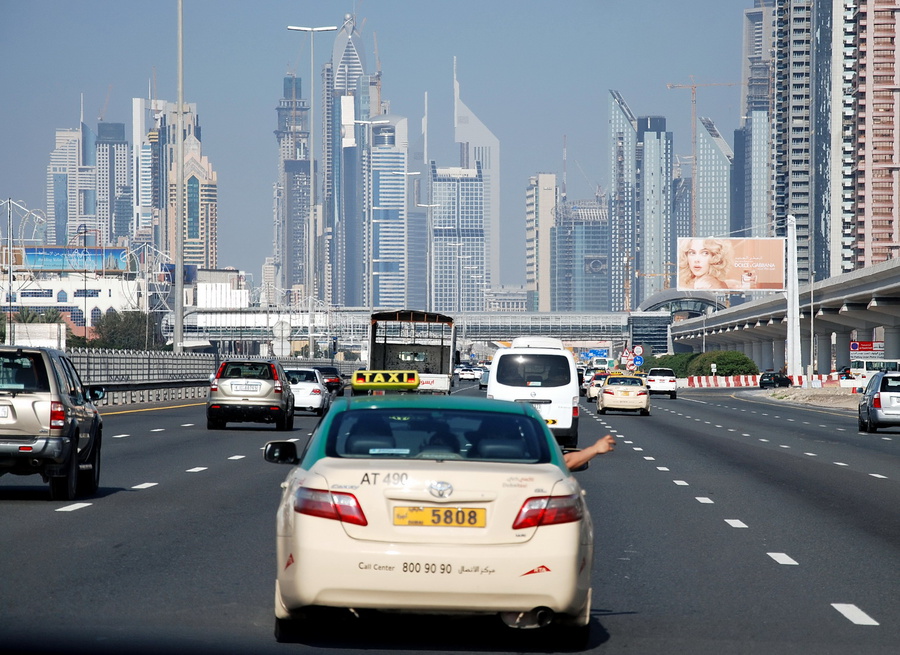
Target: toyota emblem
(441,489)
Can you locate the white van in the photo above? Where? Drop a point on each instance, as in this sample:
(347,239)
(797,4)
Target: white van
(540,371)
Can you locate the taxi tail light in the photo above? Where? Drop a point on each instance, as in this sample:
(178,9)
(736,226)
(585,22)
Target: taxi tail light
(329,505)
(549,510)
(609,392)
(57,415)
(316,391)
(876,401)
(642,393)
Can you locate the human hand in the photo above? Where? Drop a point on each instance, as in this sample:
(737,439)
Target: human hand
(604,444)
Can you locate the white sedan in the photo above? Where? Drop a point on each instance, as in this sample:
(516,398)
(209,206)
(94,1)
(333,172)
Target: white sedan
(451,505)
(310,392)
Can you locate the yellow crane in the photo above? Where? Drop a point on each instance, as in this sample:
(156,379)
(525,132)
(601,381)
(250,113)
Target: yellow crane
(693,87)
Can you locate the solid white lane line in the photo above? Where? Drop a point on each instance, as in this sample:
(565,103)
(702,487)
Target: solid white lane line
(145,485)
(704,500)
(681,483)
(72,508)
(854,614)
(237,457)
(735,523)
(782,558)
(196,469)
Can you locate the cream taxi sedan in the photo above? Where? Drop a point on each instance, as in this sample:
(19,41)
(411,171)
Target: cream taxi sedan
(626,393)
(432,504)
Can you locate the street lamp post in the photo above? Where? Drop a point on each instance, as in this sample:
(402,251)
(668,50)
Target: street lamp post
(310,246)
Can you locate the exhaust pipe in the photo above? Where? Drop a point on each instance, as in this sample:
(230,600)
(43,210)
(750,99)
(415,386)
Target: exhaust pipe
(539,617)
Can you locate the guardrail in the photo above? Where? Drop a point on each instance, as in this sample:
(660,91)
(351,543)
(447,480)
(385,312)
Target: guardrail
(132,376)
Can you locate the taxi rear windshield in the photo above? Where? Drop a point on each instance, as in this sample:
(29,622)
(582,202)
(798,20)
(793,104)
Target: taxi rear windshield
(530,370)
(437,434)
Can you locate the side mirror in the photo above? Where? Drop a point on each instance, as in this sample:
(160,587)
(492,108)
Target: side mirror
(860,390)
(96,393)
(281,452)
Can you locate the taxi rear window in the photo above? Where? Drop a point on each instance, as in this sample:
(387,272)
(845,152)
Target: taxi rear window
(437,434)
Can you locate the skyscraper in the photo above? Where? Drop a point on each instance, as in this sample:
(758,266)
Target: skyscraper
(713,183)
(541,200)
(477,144)
(623,138)
(458,229)
(114,191)
(200,213)
(295,229)
(580,244)
(654,207)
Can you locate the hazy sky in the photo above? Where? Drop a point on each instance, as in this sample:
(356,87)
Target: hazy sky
(533,71)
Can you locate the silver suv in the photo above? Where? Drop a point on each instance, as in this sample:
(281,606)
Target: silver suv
(48,422)
(256,390)
(879,404)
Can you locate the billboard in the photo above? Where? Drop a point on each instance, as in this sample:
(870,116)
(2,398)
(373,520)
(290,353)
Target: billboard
(731,264)
(70,259)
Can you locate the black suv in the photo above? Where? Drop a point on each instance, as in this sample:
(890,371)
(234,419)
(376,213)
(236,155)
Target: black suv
(48,422)
(767,380)
(333,380)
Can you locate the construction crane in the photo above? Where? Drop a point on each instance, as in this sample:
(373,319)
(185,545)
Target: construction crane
(102,114)
(693,87)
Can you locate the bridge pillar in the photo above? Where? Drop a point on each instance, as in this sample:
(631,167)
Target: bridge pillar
(805,342)
(778,354)
(841,349)
(757,349)
(891,342)
(766,360)
(823,353)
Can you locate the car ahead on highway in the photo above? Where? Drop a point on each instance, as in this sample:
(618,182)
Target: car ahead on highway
(770,380)
(626,393)
(879,402)
(597,381)
(254,390)
(483,380)
(469,373)
(310,392)
(49,424)
(662,380)
(333,378)
(424,504)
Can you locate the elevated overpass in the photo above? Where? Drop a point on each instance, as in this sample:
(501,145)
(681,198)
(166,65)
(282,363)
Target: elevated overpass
(866,302)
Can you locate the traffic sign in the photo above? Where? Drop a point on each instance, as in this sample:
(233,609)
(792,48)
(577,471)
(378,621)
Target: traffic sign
(638,361)
(630,366)
(638,350)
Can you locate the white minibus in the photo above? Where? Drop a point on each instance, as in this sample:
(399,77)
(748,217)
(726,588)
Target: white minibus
(542,372)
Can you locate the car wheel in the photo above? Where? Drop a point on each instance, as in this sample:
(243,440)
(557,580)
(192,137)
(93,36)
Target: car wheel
(214,424)
(860,423)
(290,421)
(64,487)
(645,412)
(871,426)
(673,395)
(601,410)
(89,480)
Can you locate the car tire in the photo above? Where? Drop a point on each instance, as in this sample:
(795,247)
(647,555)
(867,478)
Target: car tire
(870,425)
(214,424)
(860,423)
(645,412)
(65,487)
(89,480)
(673,395)
(290,421)
(601,410)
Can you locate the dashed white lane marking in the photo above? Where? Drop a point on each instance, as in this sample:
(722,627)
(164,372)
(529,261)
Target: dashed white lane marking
(120,436)
(782,558)
(650,459)
(145,485)
(190,425)
(783,446)
(158,430)
(681,483)
(662,468)
(704,500)
(72,508)
(237,457)
(764,440)
(841,464)
(196,469)
(639,449)
(810,454)
(735,523)
(854,614)
(878,475)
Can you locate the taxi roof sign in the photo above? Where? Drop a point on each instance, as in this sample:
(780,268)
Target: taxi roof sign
(384,380)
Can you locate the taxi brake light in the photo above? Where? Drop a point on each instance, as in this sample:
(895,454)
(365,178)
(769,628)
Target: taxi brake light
(333,505)
(549,510)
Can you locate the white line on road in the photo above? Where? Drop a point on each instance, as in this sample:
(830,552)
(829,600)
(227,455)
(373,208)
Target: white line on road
(734,523)
(854,614)
(145,485)
(190,425)
(782,558)
(120,436)
(681,483)
(158,430)
(662,468)
(841,464)
(639,449)
(196,469)
(650,459)
(704,500)
(810,454)
(879,476)
(237,457)
(72,508)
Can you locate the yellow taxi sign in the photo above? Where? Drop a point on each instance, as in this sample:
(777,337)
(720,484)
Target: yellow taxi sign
(379,380)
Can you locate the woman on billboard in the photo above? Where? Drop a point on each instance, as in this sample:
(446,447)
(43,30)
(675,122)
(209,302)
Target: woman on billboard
(703,263)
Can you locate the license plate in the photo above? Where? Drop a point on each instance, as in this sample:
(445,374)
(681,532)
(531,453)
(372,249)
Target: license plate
(245,387)
(441,517)
(4,411)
